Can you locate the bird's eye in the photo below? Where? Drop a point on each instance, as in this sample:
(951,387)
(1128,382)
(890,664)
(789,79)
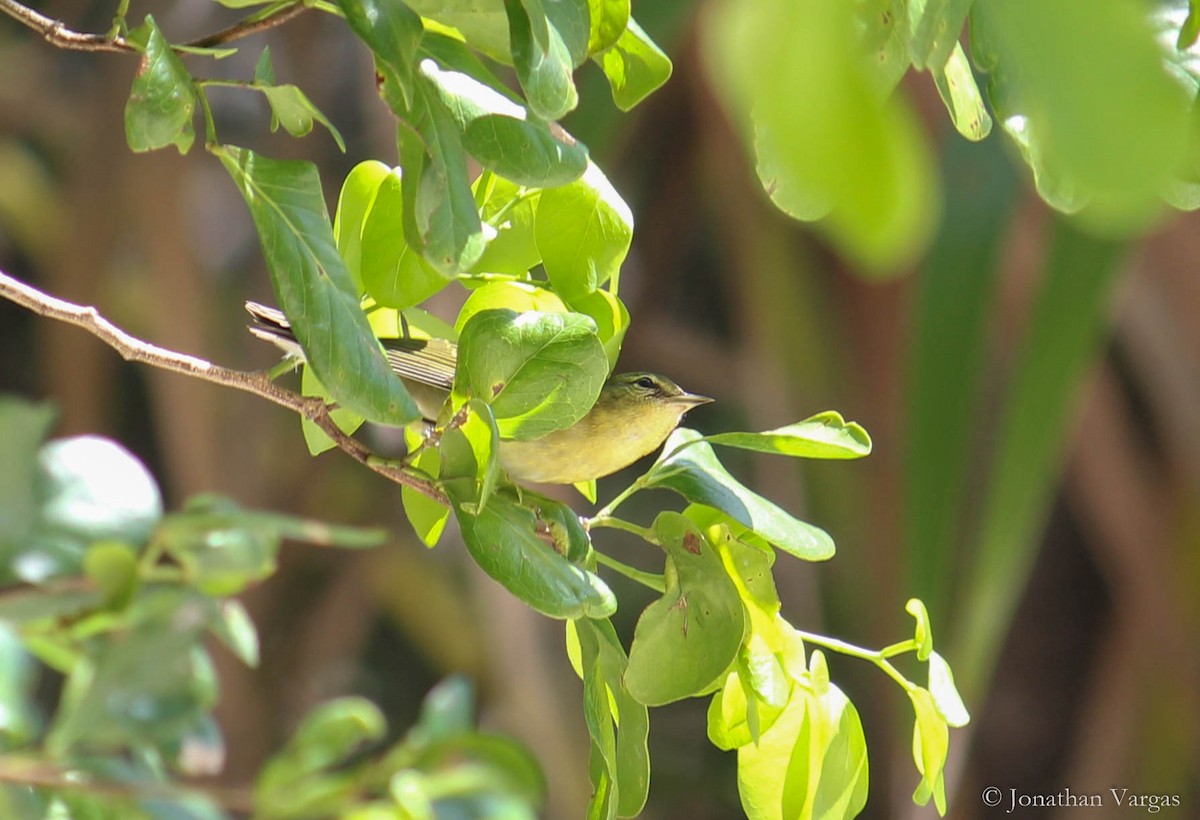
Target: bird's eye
(645,382)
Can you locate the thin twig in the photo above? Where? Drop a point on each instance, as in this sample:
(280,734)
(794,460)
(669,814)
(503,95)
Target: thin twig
(247,27)
(39,773)
(57,33)
(257,382)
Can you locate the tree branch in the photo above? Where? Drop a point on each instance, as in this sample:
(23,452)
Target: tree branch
(57,33)
(256,382)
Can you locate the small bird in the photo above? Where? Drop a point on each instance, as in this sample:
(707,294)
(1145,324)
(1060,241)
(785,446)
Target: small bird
(633,415)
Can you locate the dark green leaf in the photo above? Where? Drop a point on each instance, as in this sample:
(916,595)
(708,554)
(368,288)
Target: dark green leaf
(540,372)
(313,286)
(394,274)
(502,136)
(696,474)
(393,33)
(583,233)
(1190,30)
(162,99)
(503,541)
(617,724)
(699,622)
(634,65)
(543,63)
(525,153)
(440,212)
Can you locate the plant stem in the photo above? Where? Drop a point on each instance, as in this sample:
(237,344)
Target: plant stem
(844,648)
(259,383)
(645,533)
(649,579)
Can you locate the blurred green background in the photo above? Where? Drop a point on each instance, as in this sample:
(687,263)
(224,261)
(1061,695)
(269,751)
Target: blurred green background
(1033,392)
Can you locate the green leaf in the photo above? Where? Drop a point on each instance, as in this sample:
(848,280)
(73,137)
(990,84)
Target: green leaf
(502,136)
(509,210)
(313,286)
(519,297)
(562,523)
(542,59)
(540,372)
(611,318)
(503,541)
(924,631)
(113,566)
(223,548)
(1109,141)
(393,33)
(291,108)
(634,65)
(1190,30)
(838,148)
(826,435)
(148,683)
(162,99)
(827,773)
(698,622)
(935,27)
(583,233)
(329,735)
(394,274)
(347,421)
(440,212)
(354,204)
(931,744)
(695,473)
(607,21)
(617,724)
(23,426)
(236,630)
(527,153)
(470,454)
(427,516)
(18,680)
(944,693)
(961,96)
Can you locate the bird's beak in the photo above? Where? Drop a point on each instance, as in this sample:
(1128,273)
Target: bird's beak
(690,400)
